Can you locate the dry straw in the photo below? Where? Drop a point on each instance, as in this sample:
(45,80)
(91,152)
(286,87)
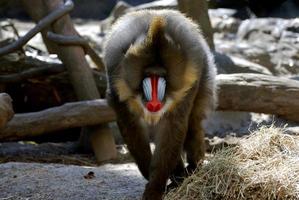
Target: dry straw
(263,166)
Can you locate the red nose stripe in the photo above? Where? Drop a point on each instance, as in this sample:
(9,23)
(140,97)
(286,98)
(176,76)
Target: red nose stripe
(154,105)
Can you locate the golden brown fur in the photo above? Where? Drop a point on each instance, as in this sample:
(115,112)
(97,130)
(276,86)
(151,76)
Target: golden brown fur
(167,44)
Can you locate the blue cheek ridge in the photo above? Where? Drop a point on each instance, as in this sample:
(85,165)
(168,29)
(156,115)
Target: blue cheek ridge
(147,89)
(161,88)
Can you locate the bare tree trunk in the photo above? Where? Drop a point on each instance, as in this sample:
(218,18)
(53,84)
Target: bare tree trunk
(81,77)
(198,11)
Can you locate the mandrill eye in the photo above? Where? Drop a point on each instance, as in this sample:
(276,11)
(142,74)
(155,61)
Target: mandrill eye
(161,88)
(147,89)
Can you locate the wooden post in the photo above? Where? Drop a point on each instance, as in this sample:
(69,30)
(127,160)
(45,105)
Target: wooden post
(198,11)
(6,111)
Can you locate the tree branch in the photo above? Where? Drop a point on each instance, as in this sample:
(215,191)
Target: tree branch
(49,19)
(72,40)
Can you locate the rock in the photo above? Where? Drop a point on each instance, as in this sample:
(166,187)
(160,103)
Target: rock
(55,181)
(160,4)
(231,64)
(246,66)
(222,12)
(222,20)
(292,130)
(222,123)
(269,28)
(248,8)
(272,43)
(288,9)
(223,63)
(245,50)
(294,78)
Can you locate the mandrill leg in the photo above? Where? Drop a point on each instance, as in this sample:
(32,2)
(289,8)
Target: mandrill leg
(169,141)
(194,146)
(195,143)
(136,139)
(178,174)
(167,153)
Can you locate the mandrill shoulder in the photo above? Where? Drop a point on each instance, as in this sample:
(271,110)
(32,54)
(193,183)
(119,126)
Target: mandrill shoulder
(132,29)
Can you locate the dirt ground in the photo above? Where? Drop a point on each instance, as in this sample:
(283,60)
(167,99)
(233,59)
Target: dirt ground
(20,181)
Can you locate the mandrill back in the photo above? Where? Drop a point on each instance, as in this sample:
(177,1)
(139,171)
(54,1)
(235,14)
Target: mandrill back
(161,80)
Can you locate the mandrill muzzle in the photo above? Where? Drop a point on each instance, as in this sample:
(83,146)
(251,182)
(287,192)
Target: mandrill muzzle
(154,92)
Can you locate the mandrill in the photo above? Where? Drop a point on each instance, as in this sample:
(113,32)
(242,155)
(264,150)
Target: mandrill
(161,82)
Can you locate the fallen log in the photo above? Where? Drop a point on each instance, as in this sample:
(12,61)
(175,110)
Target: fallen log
(259,93)
(6,110)
(69,115)
(237,92)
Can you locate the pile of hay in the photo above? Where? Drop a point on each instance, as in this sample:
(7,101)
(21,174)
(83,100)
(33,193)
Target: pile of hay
(263,166)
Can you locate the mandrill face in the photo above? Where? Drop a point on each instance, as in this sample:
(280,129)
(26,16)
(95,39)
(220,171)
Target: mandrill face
(153,80)
(147,90)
